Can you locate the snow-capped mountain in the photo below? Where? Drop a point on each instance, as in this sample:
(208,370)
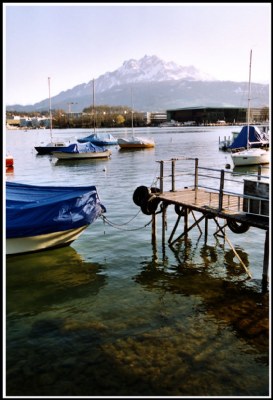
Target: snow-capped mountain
(148,69)
(158,86)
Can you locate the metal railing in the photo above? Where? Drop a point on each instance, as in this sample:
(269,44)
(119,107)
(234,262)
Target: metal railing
(174,173)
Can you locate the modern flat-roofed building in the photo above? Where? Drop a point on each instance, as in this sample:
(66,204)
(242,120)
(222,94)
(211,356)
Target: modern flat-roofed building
(211,115)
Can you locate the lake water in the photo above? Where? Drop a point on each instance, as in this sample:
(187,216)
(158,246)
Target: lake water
(114,314)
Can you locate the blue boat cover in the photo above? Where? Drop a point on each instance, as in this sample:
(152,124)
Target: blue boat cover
(82,148)
(35,210)
(255,135)
(99,139)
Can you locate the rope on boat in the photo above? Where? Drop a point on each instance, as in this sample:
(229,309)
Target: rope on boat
(119,226)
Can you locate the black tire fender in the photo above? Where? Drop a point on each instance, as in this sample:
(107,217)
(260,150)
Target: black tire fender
(180,210)
(150,206)
(237,227)
(141,195)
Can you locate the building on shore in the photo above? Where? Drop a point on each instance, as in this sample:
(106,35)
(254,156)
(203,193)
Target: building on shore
(212,115)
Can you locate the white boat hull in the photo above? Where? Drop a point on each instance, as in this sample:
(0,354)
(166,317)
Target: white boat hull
(251,157)
(81,156)
(42,242)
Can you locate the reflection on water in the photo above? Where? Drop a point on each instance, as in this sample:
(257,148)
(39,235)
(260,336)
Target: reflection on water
(49,277)
(77,329)
(251,169)
(114,314)
(83,162)
(9,170)
(138,149)
(228,301)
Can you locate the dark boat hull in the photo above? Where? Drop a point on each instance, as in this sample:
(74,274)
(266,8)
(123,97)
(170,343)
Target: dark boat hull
(47,149)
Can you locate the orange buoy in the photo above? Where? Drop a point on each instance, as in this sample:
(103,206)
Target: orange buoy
(9,161)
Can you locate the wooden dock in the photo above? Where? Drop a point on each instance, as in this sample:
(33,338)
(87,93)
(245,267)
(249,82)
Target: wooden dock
(208,204)
(236,207)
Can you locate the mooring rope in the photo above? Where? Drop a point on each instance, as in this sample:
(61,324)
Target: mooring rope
(119,226)
(155,178)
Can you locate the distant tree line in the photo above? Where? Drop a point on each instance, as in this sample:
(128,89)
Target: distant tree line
(101,117)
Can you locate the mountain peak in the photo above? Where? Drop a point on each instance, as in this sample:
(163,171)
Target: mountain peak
(148,69)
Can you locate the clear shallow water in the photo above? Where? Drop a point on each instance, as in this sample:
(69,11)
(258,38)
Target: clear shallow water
(114,315)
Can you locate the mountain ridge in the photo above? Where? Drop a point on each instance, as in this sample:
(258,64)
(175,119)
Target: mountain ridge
(157,85)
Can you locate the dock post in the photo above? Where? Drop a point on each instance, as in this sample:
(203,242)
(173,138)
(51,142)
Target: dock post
(221,190)
(196,179)
(266,259)
(206,230)
(186,221)
(173,175)
(154,229)
(161,175)
(163,223)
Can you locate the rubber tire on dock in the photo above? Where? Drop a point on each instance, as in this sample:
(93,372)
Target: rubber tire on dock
(237,227)
(180,210)
(142,194)
(150,206)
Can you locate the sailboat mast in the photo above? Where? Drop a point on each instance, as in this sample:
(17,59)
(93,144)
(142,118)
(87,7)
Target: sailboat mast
(50,112)
(249,98)
(132,112)
(94,119)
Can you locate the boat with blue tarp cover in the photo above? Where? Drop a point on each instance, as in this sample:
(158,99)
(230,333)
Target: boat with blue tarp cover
(78,151)
(45,217)
(250,135)
(258,138)
(251,154)
(99,139)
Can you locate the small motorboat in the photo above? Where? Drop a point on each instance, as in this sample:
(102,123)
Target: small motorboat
(46,217)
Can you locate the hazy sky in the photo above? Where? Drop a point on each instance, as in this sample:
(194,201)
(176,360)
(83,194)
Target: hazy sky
(72,43)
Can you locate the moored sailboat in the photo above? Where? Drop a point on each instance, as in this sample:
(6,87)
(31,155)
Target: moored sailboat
(79,151)
(52,145)
(98,138)
(250,156)
(135,142)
